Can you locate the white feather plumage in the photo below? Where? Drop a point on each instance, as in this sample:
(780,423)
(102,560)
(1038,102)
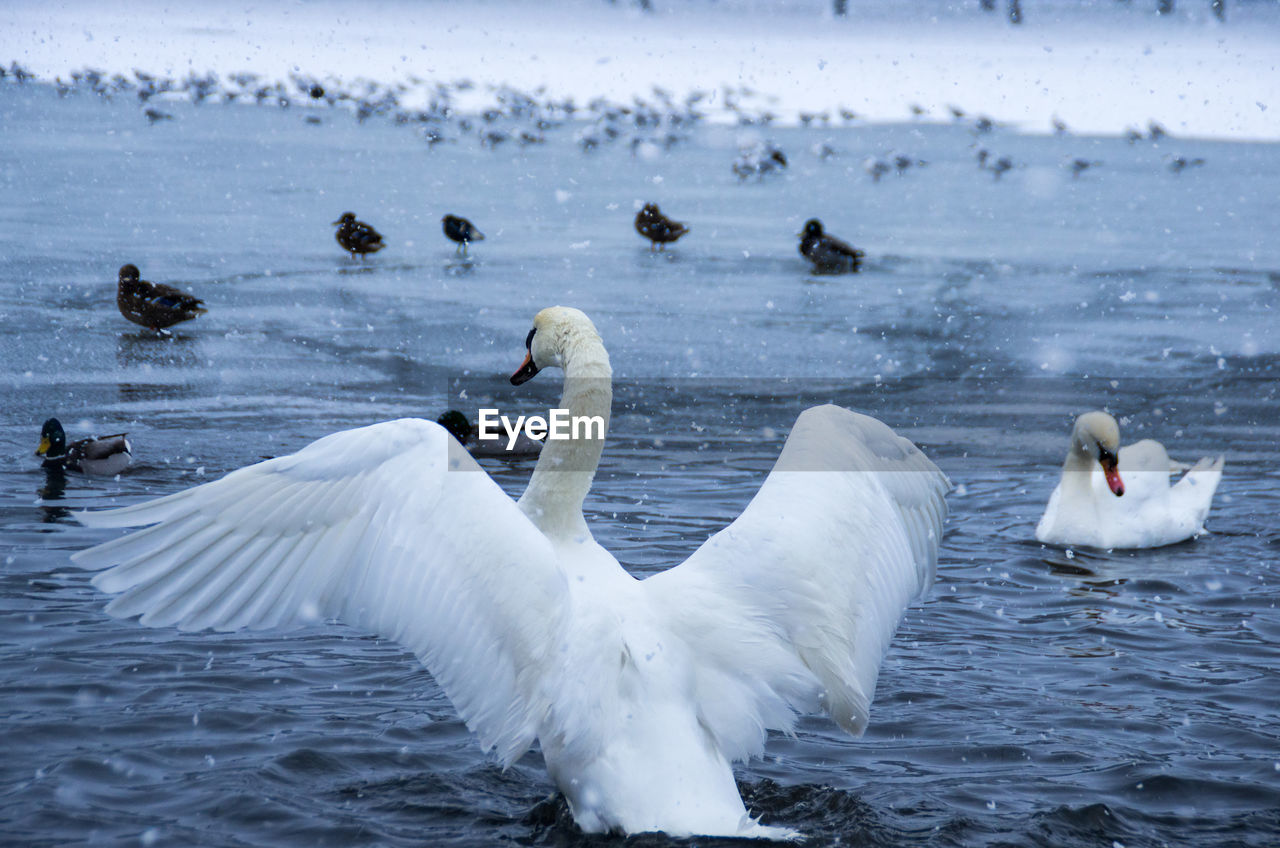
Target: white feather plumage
(1082,510)
(640,693)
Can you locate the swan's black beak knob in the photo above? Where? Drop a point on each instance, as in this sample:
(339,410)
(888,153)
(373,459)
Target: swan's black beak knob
(526,371)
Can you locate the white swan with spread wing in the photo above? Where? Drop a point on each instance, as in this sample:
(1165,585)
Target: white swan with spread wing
(1119,497)
(641,693)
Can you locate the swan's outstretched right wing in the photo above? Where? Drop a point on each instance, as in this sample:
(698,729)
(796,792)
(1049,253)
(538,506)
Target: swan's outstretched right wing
(391,527)
(794,603)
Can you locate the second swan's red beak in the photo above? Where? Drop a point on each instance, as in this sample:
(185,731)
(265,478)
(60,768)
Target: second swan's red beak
(1108,462)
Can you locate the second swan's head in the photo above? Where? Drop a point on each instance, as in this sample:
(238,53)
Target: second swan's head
(1098,434)
(555,330)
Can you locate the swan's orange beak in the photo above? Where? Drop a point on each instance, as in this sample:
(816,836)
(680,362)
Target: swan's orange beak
(1108,462)
(525,372)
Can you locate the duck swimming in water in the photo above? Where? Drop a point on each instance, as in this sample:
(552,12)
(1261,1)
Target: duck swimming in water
(505,446)
(106,456)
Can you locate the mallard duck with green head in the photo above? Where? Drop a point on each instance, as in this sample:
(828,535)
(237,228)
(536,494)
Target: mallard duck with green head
(106,456)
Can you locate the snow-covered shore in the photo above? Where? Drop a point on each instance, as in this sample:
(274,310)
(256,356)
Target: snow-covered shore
(1099,67)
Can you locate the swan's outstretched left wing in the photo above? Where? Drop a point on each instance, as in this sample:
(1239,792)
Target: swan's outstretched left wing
(795,602)
(391,527)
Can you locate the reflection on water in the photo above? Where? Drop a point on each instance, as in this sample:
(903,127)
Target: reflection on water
(460,267)
(144,394)
(359,267)
(178,349)
(55,486)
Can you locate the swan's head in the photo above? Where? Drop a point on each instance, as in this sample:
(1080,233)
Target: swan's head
(1098,435)
(555,329)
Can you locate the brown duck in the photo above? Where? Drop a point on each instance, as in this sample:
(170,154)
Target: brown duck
(357,237)
(658,228)
(461,230)
(828,254)
(154,305)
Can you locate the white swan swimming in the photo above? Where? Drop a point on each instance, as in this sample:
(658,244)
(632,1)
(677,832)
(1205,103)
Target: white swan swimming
(641,693)
(1113,497)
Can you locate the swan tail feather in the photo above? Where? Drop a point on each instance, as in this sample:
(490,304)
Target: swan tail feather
(1195,491)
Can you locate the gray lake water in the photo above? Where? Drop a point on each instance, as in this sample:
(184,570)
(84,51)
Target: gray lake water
(1038,696)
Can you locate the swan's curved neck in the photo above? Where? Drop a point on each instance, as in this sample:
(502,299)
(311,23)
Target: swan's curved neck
(1077,469)
(562,478)
(1079,457)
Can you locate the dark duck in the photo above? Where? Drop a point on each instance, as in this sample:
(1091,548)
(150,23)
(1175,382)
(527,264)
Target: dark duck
(462,231)
(468,435)
(106,456)
(828,254)
(658,228)
(154,305)
(357,237)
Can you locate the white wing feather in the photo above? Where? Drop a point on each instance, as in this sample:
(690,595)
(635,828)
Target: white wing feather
(799,597)
(384,527)
(1194,492)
